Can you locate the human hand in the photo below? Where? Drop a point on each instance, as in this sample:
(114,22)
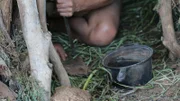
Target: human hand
(65,7)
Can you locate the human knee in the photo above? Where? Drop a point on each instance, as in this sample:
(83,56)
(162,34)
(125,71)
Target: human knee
(103,35)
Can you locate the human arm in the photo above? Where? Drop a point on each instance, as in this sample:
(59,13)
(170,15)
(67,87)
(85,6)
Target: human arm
(68,7)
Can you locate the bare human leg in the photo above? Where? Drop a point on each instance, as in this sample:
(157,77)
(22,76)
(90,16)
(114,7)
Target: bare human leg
(100,27)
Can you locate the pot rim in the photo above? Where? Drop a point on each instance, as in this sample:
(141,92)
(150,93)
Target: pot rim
(149,56)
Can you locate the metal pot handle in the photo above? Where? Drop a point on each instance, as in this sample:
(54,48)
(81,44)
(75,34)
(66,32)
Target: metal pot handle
(121,75)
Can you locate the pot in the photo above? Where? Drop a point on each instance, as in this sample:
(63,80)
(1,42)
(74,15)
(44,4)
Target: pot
(130,64)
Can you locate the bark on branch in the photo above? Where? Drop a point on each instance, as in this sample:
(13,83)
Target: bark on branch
(54,57)
(38,44)
(6,7)
(169,39)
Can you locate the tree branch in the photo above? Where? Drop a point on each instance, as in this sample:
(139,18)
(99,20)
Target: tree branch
(169,39)
(54,57)
(38,44)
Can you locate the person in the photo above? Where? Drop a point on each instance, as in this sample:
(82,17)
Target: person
(94,22)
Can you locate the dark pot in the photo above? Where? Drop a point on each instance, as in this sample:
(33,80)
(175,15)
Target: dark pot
(130,65)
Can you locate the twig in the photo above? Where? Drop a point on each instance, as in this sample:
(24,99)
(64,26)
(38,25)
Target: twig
(128,93)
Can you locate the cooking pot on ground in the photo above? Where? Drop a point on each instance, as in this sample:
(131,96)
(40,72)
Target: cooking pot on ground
(130,64)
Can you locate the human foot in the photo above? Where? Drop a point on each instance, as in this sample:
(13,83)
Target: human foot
(62,54)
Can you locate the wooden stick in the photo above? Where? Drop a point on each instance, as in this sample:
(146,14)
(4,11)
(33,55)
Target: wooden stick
(38,44)
(54,57)
(168,39)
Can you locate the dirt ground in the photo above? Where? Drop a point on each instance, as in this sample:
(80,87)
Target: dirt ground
(165,89)
(155,94)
